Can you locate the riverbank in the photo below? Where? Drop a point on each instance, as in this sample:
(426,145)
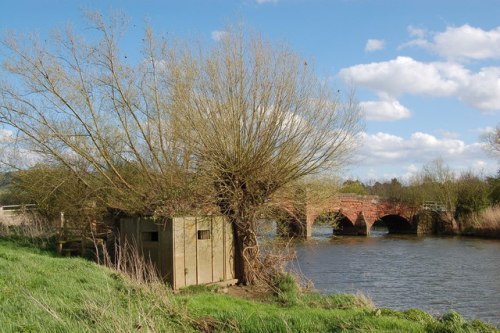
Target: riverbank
(41,292)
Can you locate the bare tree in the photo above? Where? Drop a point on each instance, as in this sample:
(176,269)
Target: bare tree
(437,182)
(259,119)
(492,140)
(184,129)
(78,103)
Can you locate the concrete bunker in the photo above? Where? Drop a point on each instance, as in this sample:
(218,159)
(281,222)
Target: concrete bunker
(185,250)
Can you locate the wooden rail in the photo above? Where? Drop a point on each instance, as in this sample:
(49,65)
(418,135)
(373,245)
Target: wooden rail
(77,240)
(434,206)
(13,210)
(12,215)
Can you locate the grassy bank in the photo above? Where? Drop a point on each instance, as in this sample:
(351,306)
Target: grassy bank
(40,292)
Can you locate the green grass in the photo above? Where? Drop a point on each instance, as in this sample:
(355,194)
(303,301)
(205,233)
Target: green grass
(317,313)
(43,293)
(40,292)
(248,317)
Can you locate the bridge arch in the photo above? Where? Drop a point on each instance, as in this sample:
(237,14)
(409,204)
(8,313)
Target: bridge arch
(397,224)
(289,224)
(379,227)
(344,226)
(340,223)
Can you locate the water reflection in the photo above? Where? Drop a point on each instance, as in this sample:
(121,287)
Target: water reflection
(379,228)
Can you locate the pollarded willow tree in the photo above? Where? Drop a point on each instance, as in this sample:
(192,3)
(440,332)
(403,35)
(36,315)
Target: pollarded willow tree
(183,129)
(259,119)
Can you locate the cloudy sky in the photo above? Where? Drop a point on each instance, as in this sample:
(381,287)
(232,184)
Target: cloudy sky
(427,73)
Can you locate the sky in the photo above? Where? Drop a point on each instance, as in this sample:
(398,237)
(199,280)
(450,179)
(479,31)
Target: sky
(426,73)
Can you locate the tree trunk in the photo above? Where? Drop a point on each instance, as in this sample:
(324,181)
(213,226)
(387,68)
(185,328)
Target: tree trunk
(246,253)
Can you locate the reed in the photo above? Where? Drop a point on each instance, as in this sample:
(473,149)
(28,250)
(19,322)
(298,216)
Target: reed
(485,223)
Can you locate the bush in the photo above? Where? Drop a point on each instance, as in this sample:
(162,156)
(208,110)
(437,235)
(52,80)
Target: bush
(286,288)
(472,195)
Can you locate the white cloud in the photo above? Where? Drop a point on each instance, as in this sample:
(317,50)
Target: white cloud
(485,130)
(265,1)
(384,110)
(13,154)
(374,45)
(458,43)
(410,171)
(406,75)
(416,32)
(405,156)
(448,134)
(482,90)
(418,148)
(217,35)
(468,42)
(6,136)
(419,38)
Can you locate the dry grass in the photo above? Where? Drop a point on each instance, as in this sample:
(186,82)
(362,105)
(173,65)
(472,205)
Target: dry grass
(29,226)
(275,256)
(485,223)
(127,259)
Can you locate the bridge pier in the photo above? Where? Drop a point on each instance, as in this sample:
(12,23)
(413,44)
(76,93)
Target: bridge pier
(429,222)
(346,228)
(361,226)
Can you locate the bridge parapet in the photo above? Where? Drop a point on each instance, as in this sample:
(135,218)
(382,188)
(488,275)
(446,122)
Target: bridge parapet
(434,206)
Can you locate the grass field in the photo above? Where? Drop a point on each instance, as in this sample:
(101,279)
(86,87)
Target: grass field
(40,292)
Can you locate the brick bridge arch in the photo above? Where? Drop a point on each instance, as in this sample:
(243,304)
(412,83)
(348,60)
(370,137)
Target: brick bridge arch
(362,212)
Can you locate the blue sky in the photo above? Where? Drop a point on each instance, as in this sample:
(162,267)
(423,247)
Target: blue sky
(427,73)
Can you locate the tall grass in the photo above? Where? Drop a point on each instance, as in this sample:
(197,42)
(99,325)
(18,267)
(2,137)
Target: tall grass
(129,260)
(29,228)
(485,223)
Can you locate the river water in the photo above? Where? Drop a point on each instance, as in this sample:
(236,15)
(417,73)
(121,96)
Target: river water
(435,274)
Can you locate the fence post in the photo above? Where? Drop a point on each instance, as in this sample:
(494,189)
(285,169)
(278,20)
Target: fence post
(61,234)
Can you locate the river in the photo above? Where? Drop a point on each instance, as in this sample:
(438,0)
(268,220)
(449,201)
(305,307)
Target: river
(435,274)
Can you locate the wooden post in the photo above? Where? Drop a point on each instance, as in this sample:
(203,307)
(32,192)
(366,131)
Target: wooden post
(61,234)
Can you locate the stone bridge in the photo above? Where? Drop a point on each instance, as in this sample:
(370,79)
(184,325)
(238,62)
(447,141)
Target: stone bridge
(356,214)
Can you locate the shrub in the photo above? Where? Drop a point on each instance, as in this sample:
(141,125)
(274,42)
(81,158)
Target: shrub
(286,288)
